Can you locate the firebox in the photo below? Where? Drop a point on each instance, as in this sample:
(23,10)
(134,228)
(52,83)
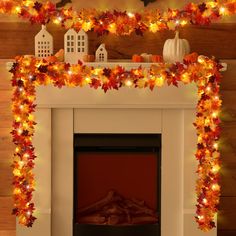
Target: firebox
(117,185)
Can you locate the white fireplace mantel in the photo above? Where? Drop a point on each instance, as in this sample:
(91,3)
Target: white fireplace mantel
(62,112)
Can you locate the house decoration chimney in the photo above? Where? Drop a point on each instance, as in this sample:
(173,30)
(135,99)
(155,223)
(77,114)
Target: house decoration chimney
(43,43)
(101,53)
(75,45)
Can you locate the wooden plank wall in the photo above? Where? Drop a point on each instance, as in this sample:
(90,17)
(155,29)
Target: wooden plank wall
(7,221)
(218,40)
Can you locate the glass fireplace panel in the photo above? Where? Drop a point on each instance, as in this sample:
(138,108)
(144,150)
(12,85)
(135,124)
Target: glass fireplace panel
(117,184)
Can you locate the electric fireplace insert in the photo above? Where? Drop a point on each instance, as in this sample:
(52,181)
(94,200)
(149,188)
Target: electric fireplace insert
(117,185)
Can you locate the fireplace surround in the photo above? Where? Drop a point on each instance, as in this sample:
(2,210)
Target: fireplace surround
(126,164)
(62,113)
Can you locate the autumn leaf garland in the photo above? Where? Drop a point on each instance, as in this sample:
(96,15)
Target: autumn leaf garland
(30,72)
(119,22)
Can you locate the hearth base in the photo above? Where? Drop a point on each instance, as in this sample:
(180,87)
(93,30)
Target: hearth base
(108,230)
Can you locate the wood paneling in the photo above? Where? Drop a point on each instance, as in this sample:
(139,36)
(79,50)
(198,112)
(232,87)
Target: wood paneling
(7,232)
(227,213)
(5,176)
(7,220)
(226,233)
(220,40)
(5,139)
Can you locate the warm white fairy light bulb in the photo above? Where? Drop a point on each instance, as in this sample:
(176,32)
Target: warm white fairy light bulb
(215,145)
(177,22)
(19,131)
(128,83)
(204,200)
(130,14)
(208,89)
(200,217)
(214,114)
(222,10)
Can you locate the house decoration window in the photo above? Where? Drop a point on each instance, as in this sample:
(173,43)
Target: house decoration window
(43,43)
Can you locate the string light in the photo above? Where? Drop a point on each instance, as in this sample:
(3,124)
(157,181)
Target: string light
(128,83)
(130,15)
(183,22)
(21,164)
(208,89)
(18,9)
(177,22)
(222,10)
(18,119)
(214,114)
(207,122)
(26,155)
(215,145)
(204,200)
(88,80)
(159,82)
(215,187)
(19,131)
(215,168)
(90,19)
(201,217)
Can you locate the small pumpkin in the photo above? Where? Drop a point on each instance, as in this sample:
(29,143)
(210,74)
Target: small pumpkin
(175,49)
(51,59)
(146,57)
(88,58)
(191,58)
(137,58)
(60,55)
(157,58)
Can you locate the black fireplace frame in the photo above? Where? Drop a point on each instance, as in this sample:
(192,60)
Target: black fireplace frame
(117,142)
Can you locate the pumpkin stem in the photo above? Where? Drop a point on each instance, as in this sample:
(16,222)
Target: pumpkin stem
(177,35)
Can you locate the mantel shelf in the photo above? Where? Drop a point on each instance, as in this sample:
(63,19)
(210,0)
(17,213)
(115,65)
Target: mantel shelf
(127,64)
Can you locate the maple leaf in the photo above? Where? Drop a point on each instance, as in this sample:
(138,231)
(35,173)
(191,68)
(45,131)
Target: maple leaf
(43,69)
(207,129)
(13,68)
(95,83)
(202,7)
(37,6)
(200,146)
(15,211)
(107,72)
(20,83)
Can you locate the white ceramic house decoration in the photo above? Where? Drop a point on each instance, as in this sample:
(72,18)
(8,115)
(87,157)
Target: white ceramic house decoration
(101,53)
(43,43)
(75,46)
(175,49)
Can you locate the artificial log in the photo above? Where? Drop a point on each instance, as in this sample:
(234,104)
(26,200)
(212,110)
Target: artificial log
(114,209)
(110,197)
(92,219)
(144,220)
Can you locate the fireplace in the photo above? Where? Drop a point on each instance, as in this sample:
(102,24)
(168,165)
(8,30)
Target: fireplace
(117,184)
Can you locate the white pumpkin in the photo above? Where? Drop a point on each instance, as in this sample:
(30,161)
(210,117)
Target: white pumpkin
(175,49)
(146,57)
